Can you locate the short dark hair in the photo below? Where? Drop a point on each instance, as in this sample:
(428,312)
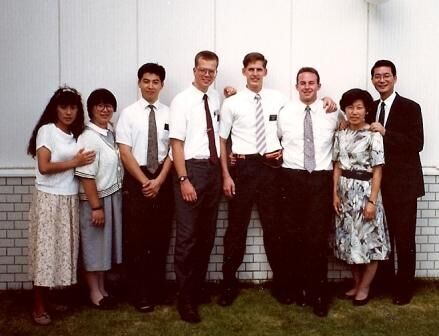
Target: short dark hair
(383,63)
(153,68)
(350,96)
(308,69)
(100,96)
(254,57)
(64,96)
(207,55)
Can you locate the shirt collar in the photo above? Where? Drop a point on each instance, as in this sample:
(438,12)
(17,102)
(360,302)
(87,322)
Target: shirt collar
(251,94)
(103,131)
(313,106)
(389,100)
(144,103)
(200,93)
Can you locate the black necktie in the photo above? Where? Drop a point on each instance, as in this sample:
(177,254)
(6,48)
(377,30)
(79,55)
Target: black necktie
(382,116)
(210,133)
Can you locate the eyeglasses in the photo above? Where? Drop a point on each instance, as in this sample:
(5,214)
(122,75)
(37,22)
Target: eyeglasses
(101,107)
(385,76)
(206,71)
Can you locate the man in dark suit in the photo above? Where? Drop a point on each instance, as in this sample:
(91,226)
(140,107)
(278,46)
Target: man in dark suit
(399,121)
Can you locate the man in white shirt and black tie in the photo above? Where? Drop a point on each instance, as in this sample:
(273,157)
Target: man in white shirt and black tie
(197,182)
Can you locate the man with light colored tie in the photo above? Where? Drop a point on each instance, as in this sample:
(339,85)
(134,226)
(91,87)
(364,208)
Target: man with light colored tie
(250,118)
(399,120)
(142,133)
(306,133)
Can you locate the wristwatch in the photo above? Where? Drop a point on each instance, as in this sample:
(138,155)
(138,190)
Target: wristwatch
(182,178)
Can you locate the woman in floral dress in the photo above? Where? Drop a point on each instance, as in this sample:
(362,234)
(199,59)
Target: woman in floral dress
(54,223)
(361,236)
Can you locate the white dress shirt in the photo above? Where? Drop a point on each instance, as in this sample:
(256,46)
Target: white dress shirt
(188,121)
(291,129)
(132,129)
(238,117)
(388,104)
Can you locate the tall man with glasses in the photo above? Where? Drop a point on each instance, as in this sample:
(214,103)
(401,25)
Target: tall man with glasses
(142,133)
(399,120)
(197,182)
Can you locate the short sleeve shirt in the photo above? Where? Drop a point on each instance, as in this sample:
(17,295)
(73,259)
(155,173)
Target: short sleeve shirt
(132,129)
(62,147)
(188,121)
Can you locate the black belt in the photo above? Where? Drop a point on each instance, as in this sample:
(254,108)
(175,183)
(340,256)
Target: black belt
(202,161)
(247,156)
(357,174)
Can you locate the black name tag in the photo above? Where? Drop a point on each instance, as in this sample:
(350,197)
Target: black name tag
(273,117)
(166,127)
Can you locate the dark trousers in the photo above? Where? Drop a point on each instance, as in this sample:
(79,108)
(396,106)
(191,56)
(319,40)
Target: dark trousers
(255,183)
(147,230)
(196,227)
(401,221)
(306,219)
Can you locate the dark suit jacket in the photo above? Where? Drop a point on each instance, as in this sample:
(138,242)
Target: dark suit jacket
(403,140)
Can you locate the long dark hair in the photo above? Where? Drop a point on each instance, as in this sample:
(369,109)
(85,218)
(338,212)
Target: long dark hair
(64,96)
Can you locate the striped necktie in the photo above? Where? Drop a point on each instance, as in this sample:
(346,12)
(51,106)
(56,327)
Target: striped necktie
(261,144)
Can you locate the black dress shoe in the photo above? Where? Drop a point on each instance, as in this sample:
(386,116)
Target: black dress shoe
(344,296)
(301,299)
(321,307)
(402,300)
(103,304)
(144,306)
(283,298)
(203,296)
(188,312)
(227,296)
(361,302)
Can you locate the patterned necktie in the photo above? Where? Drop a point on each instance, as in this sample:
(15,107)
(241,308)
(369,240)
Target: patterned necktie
(382,116)
(308,145)
(152,157)
(261,144)
(213,155)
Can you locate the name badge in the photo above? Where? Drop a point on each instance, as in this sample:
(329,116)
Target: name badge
(273,117)
(166,127)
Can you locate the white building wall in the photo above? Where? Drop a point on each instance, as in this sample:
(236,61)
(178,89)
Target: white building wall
(101,43)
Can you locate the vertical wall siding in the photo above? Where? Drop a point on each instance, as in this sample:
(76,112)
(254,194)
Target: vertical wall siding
(29,72)
(90,44)
(171,33)
(98,47)
(254,25)
(407,32)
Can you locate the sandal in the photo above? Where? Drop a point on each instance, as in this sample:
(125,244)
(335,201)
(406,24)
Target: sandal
(43,319)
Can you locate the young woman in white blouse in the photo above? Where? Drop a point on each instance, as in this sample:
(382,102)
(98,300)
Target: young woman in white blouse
(100,207)
(54,222)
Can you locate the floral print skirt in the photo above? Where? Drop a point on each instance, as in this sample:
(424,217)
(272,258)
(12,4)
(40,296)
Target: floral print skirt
(359,241)
(53,239)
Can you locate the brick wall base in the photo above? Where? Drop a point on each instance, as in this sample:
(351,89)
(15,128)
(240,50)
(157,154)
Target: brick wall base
(15,198)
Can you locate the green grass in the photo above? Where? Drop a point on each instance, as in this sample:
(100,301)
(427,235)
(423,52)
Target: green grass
(255,312)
